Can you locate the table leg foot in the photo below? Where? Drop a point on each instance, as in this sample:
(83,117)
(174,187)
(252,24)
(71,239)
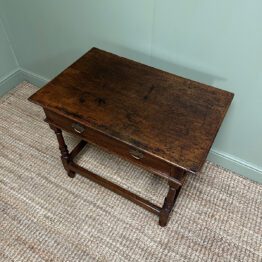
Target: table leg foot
(71,174)
(172,195)
(168,205)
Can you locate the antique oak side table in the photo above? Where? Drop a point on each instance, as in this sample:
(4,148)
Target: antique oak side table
(159,121)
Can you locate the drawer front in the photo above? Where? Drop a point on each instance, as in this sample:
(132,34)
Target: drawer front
(125,151)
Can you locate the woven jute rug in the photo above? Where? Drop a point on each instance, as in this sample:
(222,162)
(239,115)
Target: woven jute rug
(46,216)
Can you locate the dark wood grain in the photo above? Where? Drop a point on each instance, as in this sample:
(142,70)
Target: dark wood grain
(159,121)
(172,195)
(151,163)
(170,117)
(65,156)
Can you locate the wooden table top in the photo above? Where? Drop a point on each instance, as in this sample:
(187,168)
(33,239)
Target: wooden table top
(170,117)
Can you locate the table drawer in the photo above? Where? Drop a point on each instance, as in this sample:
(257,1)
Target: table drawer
(110,144)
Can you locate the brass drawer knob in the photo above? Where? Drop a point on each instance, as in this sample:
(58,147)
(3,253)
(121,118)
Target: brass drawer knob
(136,154)
(78,128)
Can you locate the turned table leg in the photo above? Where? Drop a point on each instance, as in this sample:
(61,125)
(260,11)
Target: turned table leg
(65,157)
(171,197)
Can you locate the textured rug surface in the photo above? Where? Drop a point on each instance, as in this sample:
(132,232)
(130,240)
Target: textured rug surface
(46,216)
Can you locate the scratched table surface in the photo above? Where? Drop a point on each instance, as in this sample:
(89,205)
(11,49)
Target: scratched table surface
(167,116)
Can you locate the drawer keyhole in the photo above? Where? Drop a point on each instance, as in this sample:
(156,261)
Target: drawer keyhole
(78,128)
(136,154)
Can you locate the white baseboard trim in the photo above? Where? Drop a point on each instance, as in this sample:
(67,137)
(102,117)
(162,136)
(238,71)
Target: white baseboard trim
(10,81)
(223,159)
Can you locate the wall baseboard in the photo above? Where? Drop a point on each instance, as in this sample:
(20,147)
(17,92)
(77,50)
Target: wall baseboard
(19,75)
(237,165)
(223,159)
(33,78)
(10,81)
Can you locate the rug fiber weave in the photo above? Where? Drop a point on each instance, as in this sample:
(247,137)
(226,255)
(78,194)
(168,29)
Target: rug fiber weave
(46,216)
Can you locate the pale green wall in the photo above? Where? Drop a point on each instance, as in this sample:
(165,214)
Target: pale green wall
(8,64)
(49,35)
(215,42)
